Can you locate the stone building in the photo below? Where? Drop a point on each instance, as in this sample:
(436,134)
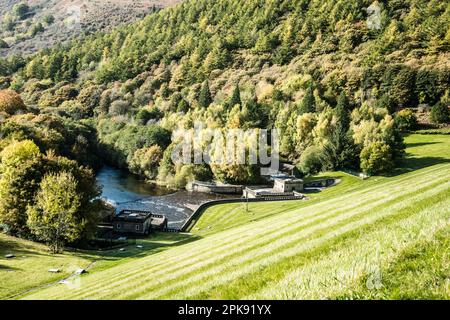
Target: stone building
(288,185)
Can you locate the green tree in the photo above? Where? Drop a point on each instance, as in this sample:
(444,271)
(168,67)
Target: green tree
(308,103)
(427,86)
(343,111)
(386,102)
(55,217)
(235,97)
(440,113)
(406,120)
(20,173)
(204,98)
(21,10)
(402,89)
(376,158)
(183,106)
(311,160)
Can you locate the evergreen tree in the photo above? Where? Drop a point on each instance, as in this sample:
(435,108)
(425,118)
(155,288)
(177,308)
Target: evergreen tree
(204,98)
(343,111)
(440,113)
(308,103)
(402,89)
(235,97)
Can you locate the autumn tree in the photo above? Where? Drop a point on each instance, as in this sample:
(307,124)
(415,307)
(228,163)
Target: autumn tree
(55,216)
(20,172)
(145,161)
(11,102)
(376,158)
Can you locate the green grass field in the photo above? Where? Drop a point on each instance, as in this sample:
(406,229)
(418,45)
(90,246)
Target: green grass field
(383,238)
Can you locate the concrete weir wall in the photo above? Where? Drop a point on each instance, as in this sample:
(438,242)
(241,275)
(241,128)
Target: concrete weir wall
(205,187)
(202,208)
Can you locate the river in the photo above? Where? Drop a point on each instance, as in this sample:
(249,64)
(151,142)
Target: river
(124,190)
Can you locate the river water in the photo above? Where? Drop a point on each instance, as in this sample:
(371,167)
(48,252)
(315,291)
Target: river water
(126,191)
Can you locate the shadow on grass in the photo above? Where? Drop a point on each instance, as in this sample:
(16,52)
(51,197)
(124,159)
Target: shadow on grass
(415,163)
(311,191)
(153,244)
(315,178)
(8,268)
(420,144)
(18,249)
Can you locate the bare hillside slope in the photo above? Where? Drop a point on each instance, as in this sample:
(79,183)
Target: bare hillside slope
(47,22)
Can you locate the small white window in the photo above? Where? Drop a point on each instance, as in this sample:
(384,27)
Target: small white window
(118,226)
(137,228)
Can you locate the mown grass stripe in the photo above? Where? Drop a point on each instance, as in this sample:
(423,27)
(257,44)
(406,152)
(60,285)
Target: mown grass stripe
(392,238)
(399,187)
(240,267)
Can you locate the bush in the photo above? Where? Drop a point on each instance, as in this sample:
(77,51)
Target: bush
(21,10)
(376,158)
(145,115)
(311,161)
(406,120)
(440,113)
(119,107)
(49,19)
(37,28)
(11,102)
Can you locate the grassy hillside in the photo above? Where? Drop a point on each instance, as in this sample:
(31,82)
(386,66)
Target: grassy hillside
(28,270)
(349,241)
(30,266)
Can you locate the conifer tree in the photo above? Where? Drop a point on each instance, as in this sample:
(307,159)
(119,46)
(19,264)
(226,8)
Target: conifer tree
(235,97)
(205,99)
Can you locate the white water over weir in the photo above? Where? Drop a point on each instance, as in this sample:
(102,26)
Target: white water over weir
(125,191)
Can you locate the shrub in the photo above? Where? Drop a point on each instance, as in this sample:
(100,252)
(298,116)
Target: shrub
(440,113)
(406,120)
(21,10)
(37,28)
(11,102)
(310,160)
(119,107)
(49,19)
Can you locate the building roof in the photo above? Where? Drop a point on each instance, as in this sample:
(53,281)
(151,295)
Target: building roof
(133,216)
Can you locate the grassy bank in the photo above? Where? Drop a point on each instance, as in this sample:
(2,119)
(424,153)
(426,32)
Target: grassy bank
(347,241)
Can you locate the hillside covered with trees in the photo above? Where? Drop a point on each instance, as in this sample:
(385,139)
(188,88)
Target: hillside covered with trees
(336,78)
